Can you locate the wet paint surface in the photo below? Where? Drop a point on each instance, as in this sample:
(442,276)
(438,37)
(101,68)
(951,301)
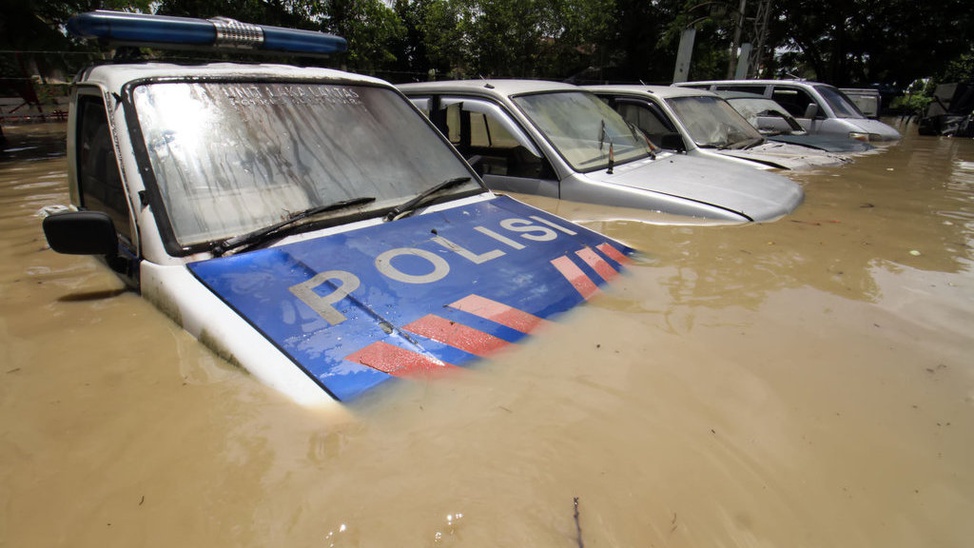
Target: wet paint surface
(415,295)
(801,383)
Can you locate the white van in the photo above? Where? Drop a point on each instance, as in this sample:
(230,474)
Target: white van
(558,140)
(819,108)
(307,224)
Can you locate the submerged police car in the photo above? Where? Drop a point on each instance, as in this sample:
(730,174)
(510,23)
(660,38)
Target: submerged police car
(307,224)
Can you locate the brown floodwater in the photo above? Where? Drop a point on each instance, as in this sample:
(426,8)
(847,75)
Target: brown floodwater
(803,383)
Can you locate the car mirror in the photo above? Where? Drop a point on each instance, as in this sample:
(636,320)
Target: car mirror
(81,233)
(811,111)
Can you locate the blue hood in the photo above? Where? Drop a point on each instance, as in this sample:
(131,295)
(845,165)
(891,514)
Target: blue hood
(414,296)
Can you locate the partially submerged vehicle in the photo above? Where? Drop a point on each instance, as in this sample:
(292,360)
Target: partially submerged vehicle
(818,107)
(951,112)
(560,141)
(758,110)
(702,124)
(307,224)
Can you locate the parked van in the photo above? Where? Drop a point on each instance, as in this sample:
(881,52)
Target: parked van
(557,140)
(703,124)
(309,225)
(819,108)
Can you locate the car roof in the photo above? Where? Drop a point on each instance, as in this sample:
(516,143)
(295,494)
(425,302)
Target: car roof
(500,87)
(114,76)
(664,92)
(765,82)
(741,95)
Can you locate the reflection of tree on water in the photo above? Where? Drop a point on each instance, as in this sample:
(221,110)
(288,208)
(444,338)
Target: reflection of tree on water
(910,207)
(34,141)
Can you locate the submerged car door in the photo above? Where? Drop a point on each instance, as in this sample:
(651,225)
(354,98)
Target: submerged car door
(495,145)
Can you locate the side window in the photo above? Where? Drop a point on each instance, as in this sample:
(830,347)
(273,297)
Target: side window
(489,140)
(485,131)
(98,177)
(795,101)
(648,118)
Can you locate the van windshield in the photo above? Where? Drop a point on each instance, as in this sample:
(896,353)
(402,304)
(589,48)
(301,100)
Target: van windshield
(584,130)
(713,123)
(232,157)
(840,103)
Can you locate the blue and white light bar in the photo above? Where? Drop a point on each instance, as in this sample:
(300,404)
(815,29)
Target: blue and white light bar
(166,32)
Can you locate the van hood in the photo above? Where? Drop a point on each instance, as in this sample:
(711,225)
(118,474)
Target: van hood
(786,155)
(758,195)
(419,295)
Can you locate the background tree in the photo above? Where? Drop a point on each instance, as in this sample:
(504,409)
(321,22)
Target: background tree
(853,42)
(844,42)
(372,29)
(433,39)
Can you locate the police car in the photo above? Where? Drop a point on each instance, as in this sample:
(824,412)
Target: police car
(307,224)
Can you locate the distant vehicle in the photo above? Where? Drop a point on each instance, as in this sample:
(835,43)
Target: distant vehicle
(702,124)
(867,100)
(557,140)
(307,224)
(819,108)
(951,112)
(759,110)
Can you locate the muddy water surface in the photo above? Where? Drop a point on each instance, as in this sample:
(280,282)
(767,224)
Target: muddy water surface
(802,383)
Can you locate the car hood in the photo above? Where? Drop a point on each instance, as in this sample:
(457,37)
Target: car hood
(786,156)
(421,294)
(758,195)
(824,142)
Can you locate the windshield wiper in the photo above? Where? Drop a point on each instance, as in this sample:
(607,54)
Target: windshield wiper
(745,143)
(637,133)
(407,208)
(275,230)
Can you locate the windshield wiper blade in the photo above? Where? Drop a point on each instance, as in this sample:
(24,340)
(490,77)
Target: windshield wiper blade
(637,133)
(263,234)
(406,208)
(743,144)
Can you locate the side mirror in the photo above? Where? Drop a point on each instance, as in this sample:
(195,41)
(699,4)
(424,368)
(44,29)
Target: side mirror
(811,111)
(672,141)
(81,233)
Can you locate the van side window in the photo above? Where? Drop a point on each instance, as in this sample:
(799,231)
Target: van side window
(795,101)
(647,118)
(485,141)
(98,176)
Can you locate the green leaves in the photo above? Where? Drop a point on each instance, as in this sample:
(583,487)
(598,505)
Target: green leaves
(838,41)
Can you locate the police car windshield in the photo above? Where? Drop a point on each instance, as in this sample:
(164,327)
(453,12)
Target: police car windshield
(583,129)
(232,157)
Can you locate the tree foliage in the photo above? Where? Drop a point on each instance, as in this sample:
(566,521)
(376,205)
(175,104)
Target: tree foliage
(843,42)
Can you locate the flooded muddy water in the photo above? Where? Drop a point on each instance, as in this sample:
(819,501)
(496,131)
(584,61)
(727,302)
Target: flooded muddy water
(803,383)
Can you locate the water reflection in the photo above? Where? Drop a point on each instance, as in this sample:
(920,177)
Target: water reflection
(886,210)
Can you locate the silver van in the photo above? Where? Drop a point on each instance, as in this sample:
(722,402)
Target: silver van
(557,140)
(819,108)
(702,124)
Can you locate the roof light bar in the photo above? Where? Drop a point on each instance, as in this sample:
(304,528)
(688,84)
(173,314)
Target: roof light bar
(167,32)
